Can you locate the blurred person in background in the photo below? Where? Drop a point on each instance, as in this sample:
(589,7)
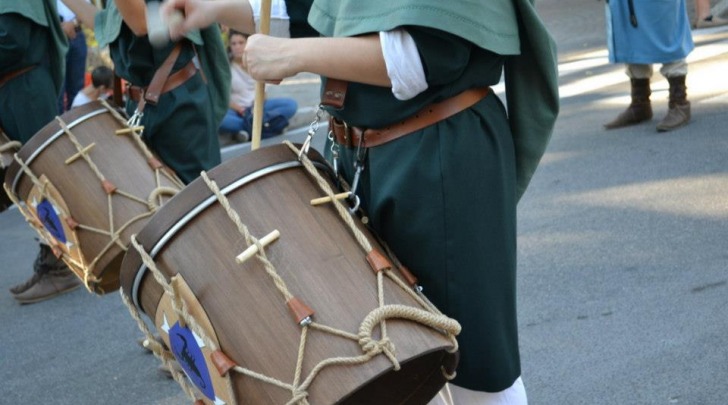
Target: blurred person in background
(643,33)
(75,58)
(238,120)
(181,118)
(704,17)
(32,62)
(102,78)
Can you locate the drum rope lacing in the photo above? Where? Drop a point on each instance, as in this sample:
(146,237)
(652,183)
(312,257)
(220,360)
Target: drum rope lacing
(10,146)
(159,352)
(430,317)
(114,232)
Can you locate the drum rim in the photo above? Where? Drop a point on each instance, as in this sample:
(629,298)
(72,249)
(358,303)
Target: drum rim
(156,233)
(46,136)
(195,211)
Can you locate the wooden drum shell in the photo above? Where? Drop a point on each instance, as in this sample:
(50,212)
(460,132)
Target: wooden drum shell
(319,260)
(122,162)
(6,158)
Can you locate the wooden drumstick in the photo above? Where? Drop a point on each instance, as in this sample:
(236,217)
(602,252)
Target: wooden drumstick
(323,200)
(158,24)
(253,249)
(260,86)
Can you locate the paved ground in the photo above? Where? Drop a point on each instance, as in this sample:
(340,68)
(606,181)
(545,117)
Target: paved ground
(623,278)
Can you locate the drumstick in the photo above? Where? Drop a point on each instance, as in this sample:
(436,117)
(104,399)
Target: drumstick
(260,86)
(158,25)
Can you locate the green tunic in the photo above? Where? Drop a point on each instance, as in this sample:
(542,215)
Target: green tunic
(30,35)
(182,127)
(506,27)
(444,198)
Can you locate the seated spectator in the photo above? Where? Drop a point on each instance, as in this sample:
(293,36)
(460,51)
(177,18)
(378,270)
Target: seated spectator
(237,123)
(704,17)
(101,82)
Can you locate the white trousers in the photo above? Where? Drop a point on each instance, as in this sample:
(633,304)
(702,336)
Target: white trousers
(454,395)
(671,69)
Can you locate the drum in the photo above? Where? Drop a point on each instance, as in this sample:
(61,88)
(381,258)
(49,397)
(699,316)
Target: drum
(89,183)
(264,298)
(7,150)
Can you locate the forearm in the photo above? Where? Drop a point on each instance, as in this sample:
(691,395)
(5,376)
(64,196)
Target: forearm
(85,11)
(356,59)
(236,14)
(134,13)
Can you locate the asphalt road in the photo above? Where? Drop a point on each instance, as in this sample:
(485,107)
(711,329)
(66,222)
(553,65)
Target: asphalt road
(623,259)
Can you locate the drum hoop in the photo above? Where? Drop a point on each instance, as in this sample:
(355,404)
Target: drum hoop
(206,203)
(52,139)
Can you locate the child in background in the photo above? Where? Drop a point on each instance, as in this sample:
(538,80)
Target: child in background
(101,82)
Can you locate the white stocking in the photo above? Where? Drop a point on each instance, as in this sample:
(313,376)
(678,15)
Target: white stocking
(454,395)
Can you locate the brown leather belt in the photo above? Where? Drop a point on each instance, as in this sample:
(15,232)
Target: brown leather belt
(174,80)
(15,73)
(350,136)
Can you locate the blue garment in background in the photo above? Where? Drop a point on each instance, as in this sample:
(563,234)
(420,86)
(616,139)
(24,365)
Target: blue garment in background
(234,123)
(75,71)
(662,35)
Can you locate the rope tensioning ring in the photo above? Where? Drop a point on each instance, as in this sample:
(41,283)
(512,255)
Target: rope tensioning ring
(158,192)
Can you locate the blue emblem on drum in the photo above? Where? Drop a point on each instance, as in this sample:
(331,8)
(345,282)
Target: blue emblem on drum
(48,215)
(189,355)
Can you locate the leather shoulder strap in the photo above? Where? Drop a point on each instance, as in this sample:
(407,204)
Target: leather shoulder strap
(160,76)
(334,93)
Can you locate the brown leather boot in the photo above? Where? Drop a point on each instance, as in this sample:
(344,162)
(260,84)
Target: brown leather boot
(45,261)
(678,113)
(639,110)
(49,285)
(51,277)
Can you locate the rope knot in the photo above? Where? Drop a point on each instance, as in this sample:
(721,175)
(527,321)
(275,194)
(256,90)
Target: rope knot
(373,347)
(299,397)
(368,345)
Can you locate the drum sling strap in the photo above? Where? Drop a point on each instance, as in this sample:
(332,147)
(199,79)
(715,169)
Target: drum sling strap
(163,81)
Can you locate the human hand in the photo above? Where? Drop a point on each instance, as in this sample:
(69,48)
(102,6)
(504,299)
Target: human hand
(185,15)
(268,58)
(69,28)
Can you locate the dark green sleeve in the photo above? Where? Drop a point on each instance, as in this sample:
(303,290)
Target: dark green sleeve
(444,56)
(14,40)
(298,18)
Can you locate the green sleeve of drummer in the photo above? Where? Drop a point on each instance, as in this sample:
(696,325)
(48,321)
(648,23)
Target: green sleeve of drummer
(532,92)
(14,40)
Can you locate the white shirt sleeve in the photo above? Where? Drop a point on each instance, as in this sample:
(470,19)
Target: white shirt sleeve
(404,66)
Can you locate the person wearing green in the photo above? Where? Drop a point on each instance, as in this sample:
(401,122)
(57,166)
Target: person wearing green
(181,125)
(32,62)
(442,193)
